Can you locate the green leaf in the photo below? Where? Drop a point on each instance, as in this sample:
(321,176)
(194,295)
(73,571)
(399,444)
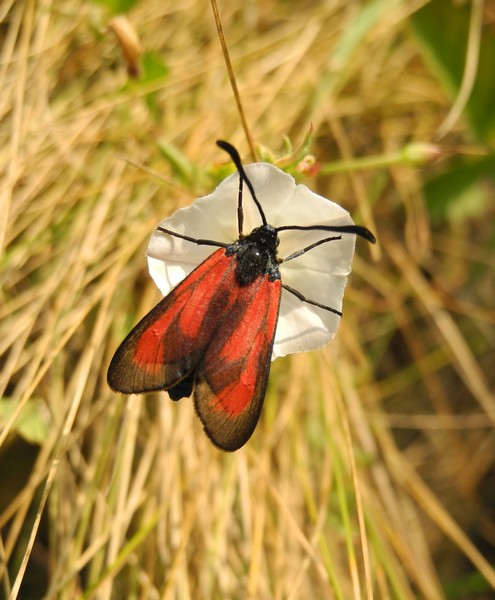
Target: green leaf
(186,171)
(471,585)
(442,28)
(458,193)
(32,424)
(117,7)
(153,68)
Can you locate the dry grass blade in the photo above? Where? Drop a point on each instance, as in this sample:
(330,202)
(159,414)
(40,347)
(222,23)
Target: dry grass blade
(369,475)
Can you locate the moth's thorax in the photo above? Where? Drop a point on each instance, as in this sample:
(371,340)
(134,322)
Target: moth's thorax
(256,255)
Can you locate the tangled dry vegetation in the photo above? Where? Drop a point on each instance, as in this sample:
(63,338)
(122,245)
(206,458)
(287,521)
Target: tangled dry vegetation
(371,471)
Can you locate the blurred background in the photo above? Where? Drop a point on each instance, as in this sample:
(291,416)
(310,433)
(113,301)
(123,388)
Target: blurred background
(372,470)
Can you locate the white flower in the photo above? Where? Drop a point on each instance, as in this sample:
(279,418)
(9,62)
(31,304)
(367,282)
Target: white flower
(320,274)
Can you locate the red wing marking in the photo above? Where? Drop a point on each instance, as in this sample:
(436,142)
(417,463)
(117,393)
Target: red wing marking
(232,376)
(168,343)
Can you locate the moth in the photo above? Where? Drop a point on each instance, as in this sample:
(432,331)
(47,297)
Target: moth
(220,324)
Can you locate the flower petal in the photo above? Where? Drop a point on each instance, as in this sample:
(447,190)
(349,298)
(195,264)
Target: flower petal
(320,274)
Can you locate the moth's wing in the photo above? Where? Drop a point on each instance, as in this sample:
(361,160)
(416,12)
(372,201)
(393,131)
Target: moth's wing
(165,347)
(232,376)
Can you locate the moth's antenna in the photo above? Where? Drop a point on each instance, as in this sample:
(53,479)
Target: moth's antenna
(236,159)
(356,229)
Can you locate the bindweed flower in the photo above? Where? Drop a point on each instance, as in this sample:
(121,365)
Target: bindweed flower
(320,274)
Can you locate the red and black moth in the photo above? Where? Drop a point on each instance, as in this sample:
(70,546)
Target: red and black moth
(213,335)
